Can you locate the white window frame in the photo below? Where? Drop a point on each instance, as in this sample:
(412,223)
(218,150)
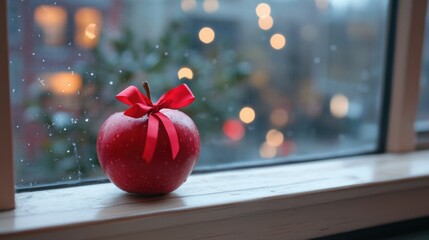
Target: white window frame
(387,192)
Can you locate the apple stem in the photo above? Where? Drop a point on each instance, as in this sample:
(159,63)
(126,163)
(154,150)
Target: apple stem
(147,89)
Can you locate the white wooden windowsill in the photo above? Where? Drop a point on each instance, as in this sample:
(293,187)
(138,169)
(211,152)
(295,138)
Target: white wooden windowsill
(282,202)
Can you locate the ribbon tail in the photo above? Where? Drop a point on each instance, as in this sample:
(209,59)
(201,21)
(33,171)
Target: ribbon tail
(171,132)
(151,138)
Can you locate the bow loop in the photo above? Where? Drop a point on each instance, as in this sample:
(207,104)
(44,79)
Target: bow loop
(141,105)
(132,95)
(176,98)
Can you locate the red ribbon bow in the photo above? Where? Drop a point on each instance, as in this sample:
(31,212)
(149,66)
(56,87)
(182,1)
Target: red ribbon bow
(141,105)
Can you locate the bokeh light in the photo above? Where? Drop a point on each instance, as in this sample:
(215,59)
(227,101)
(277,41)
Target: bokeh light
(274,138)
(339,106)
(263,9)
(52,20)
(278,41)
(88,26)
(279,117)
(91,31)
(188,5)
(185,72)
(265,22)
(206,35)
(64,83)
(259,78)
(267,151)
(210,6)
(233,129)
(247,115)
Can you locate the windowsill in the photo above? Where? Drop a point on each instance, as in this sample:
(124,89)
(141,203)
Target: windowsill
(294,201)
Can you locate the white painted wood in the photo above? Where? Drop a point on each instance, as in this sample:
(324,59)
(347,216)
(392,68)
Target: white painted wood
(292,201)
(6,159)
(406,75)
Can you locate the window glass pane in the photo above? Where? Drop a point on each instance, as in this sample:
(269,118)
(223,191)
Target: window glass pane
(274,81)
(422,121)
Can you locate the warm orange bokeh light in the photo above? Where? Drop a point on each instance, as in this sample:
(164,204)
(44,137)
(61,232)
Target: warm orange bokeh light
(91,31)
(263,9)
(64,83)
(52,20)
(185,72)
(279,117)
(278,41)
(210,6)
(259,78)
(206,35)
(88,26)
(274,138)
(267,151)
(339,106)
(247,115)
(188,5)
(265,22)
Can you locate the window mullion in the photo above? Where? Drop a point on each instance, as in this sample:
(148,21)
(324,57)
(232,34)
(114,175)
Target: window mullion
(7,200)
(408,49)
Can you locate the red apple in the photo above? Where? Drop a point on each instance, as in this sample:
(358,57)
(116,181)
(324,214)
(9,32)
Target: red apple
(120,145)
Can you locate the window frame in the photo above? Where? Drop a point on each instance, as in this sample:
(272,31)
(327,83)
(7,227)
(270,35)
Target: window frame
(407,60)
(7,189)
(410,19)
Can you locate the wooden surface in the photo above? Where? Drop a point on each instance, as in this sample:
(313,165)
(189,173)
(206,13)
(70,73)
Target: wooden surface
(410,31)
(6,160)
(293,201)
